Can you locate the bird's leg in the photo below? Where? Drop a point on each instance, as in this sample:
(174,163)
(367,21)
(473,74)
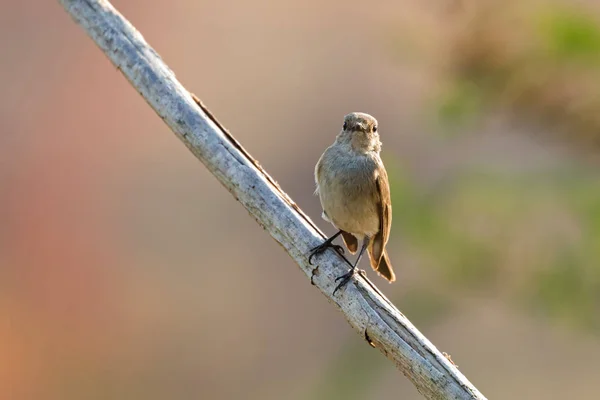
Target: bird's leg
(323,246)
(346,277)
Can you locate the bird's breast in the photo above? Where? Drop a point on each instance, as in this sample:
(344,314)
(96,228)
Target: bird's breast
(348,192)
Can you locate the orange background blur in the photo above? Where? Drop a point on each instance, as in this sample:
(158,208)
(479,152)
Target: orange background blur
(127,271)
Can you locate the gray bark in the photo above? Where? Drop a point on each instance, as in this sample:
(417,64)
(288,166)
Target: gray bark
(366,309)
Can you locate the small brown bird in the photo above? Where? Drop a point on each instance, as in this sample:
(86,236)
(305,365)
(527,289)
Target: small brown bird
(353,187)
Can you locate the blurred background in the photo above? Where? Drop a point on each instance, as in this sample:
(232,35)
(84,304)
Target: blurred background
(127,271)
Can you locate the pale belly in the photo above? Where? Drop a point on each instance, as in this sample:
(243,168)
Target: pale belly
(360,224)
(350,200)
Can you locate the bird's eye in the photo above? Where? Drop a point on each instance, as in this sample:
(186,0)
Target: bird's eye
(345,126)
(374,128)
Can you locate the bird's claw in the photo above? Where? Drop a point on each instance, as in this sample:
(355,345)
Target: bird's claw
(344,279)
(321,248)
(312,254)
(338,248)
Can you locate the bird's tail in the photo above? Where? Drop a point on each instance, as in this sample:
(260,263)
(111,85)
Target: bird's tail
(383,266)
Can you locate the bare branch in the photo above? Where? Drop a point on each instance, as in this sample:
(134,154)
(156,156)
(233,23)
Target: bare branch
(365,308)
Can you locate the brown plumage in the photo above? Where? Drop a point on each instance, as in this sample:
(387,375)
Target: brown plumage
(354,191)
(350,241)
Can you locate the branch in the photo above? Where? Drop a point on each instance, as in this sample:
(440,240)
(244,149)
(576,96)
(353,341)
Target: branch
(366,309)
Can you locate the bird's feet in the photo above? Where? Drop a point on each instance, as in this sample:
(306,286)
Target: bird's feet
(322,247)
(346,278)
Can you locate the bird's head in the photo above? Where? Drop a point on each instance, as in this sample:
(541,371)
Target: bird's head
(360,131)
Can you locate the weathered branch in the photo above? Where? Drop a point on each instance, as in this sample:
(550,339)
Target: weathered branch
(365,308)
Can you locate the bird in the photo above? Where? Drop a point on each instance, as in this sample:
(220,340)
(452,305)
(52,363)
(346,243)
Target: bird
(354,191)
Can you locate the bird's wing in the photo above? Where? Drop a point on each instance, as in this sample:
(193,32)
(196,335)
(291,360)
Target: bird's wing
(317,173)
(384,207)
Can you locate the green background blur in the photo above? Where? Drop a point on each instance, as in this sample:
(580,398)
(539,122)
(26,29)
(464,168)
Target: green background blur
(127,271)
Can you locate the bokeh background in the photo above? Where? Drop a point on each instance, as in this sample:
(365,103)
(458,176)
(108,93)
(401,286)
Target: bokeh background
(127,271)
